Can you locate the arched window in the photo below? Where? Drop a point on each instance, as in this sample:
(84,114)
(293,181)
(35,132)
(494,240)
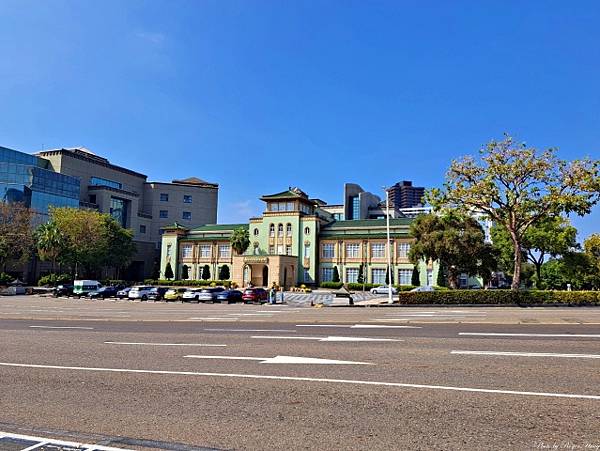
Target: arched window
(272,230)
(280,229)
(307,230)
(288,229)
(255,232)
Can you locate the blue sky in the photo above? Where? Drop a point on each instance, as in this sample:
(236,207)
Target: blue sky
(260,95)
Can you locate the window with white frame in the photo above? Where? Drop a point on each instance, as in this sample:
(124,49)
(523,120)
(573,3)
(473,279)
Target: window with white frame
(307,276)
(328,250)
(352,250)
(403,249)
(327,274)
(378,275)
(186,251)
(306,250)
(288,250)
(378,250)
(351,275)
(288,229)
(430,277)
(205,251)
(272,230)
(405,276)
(280,249)
(224,250)
(271,250)
(280,230)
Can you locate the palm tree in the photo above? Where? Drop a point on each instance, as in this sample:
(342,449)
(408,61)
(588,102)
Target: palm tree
(50,242)
(240,240)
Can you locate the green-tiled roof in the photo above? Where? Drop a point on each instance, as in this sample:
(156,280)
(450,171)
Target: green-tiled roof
(367,223)
(174,226)
(285,195)
(218,227)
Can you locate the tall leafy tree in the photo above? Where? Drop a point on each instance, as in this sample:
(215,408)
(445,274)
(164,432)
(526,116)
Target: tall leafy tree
(591,247)
(224,273)
(517,186)
(549,237)
(240,240)
(205,272)
(457,242)
(120,247)
(415,278)
(185,272)
(50,242)
(16,235)
(169,271)
(361,274)
(336,274)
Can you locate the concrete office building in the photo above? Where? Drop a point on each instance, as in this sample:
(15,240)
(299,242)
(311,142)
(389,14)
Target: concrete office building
(142,206)
(405,195)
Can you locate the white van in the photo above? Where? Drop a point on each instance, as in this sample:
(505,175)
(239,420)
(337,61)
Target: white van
(140,292)
(83,287)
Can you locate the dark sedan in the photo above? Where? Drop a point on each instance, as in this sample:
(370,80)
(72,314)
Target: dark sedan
(103,293)
(255,295)
(63,290)
(229,296)
(157,294)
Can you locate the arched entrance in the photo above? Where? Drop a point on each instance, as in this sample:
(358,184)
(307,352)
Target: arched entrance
(265,276)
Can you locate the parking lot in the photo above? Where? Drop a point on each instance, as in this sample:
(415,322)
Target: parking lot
(142,375)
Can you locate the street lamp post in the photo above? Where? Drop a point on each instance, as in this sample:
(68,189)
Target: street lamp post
(389,246)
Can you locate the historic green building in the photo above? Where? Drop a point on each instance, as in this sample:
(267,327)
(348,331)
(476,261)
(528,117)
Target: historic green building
(295,241)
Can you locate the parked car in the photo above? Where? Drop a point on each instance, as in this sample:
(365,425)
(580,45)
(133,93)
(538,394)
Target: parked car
(124,293)
(425,288)
(209,294)
(103,292)
(140,292)
(255,295)
(157,293)
(62,290)
(383,289)
(84,287)
(191,295)
(175,294)
(229,296)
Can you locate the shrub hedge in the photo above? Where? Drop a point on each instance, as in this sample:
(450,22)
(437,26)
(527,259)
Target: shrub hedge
(520,297)
(54,279)
(359,286)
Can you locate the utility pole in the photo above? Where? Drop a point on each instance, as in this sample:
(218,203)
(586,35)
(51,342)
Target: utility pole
(389,246)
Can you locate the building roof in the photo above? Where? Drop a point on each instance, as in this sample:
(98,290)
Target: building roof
(218,227)
(366,223)
(290,193)
(194,181)
(85,154)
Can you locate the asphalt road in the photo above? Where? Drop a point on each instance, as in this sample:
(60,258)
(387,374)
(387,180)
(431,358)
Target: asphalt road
(172,376)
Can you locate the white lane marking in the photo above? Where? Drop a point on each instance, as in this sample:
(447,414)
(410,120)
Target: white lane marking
(282,359)
(307,379)
(252,330)
(330,338)
(213,319)
(162,344)
(62,327)
(382,326)
(498,334)
(359,326)
(48,441)
(529,354)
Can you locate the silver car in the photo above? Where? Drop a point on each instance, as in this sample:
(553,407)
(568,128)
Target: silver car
(383,289)
(209,294)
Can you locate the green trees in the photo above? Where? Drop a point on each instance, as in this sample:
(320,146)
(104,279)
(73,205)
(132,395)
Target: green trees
(457,242)
(87,239)
(16,237)
(240,240)
(361,274)
(169,271)
(185,272)
(51,244)
(415,279)
(549,237)
(224,273)
(205,272)
(336,275)
(517,186)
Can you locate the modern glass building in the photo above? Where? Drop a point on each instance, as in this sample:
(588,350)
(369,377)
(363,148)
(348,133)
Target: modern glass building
(29,179)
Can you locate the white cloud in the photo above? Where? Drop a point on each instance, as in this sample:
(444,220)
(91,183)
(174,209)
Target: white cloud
(239,212)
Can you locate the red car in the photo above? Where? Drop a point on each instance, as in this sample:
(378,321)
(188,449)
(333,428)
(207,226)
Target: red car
(255,295)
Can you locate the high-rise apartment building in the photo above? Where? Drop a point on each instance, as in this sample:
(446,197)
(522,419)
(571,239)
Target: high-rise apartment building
(405,195)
